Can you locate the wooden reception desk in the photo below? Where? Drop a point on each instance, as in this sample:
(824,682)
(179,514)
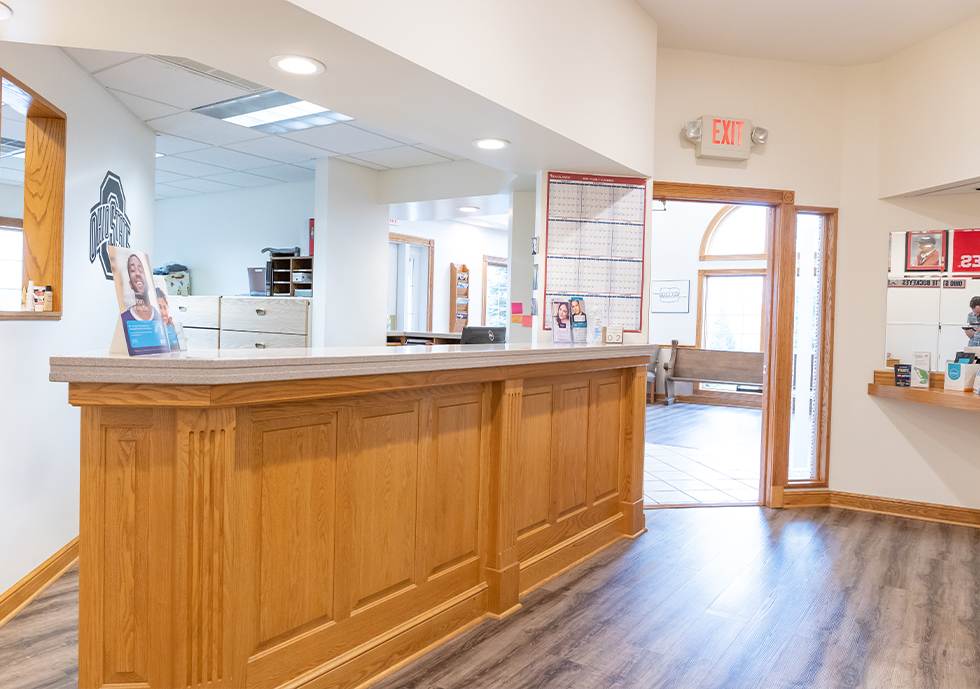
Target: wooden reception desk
(315,518)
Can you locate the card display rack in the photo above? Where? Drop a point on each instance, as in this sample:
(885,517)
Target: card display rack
(459,301)
(290,274)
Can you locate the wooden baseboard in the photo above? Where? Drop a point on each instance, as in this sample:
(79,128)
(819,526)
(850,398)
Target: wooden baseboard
(17,597)
(722,399)
(945,514)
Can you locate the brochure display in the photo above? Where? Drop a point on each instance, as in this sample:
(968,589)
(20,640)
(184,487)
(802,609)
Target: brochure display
(459,302)
(595,234)
(142,328)
(561,322)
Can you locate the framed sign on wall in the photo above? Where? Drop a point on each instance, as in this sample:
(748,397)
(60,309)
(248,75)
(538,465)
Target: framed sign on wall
(670,296)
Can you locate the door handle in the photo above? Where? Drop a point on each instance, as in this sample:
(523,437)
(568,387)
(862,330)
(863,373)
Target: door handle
(260,345)
(261,312)
(182,308)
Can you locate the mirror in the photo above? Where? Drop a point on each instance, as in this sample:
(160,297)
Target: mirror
(932,278)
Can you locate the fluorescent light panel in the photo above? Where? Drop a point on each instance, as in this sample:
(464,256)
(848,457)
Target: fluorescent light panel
(272,112)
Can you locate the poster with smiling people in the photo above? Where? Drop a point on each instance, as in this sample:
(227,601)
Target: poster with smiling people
(141,322)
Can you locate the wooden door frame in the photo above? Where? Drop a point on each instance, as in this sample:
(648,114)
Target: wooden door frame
(419,241)
(778,309)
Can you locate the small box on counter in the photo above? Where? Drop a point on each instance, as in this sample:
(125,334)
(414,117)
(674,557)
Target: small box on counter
(903,375)
(960,376)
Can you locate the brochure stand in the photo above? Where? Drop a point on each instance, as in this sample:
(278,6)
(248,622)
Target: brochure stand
(459,301)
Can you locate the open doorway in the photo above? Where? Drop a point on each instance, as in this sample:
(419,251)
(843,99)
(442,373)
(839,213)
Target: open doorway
(706,447)
(709,248)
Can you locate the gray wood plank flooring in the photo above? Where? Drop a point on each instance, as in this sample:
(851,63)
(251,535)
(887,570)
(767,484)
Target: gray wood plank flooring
(710,598)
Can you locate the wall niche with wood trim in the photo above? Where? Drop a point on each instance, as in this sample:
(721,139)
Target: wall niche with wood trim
(32,167)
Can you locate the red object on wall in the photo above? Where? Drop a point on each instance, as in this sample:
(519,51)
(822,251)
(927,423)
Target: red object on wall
(311,236)
(965,252)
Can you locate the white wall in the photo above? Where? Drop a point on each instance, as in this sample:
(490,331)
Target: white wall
(520,263)
(929,92)
(39,452)
(888,449)
(799,104)
(219,235)
(11,201)
(350,257)
(456,242)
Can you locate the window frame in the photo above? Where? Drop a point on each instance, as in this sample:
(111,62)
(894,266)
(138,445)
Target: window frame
(44,199)
(709,234)
(431,243)
(489,261)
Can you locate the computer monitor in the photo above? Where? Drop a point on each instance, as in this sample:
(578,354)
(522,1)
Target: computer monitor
(479,334)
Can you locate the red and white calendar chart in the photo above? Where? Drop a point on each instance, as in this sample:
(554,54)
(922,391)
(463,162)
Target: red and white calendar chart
(594,246)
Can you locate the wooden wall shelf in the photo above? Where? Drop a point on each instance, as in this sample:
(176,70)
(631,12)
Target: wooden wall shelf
(30,315)
(942,398)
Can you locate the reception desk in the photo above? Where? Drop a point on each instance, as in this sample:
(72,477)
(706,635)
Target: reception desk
(317,518)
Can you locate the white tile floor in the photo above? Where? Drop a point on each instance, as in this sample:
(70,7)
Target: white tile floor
(688,476)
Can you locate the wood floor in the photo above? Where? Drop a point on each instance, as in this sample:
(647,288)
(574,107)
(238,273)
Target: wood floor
(713,597)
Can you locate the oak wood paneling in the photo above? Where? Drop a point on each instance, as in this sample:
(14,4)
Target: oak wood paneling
(571,449)
(44,204)
(607,421)
(534,484)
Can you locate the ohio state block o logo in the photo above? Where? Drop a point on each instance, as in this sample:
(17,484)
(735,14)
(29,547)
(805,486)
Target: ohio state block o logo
(108,222)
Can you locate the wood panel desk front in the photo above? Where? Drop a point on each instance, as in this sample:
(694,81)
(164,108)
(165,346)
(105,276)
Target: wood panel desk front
(321,531)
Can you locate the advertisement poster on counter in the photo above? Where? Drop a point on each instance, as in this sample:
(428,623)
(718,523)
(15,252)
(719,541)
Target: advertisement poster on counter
(580,322)
(561,322)
(139,313)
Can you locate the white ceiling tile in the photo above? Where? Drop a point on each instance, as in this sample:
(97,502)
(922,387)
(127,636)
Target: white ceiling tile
(94,60)
(191,168)
(285,173)
(222,157)
(209,130)
(341,138)
(243,179)
(144,108)
(205,186)
(405,156)
(172,192)
(362,163)
(279,149)
(171,145)
(380,132)
(164,177)
(166,83)
(308,164)
(438,152)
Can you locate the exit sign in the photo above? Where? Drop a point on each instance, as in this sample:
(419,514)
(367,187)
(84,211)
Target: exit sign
(725,137)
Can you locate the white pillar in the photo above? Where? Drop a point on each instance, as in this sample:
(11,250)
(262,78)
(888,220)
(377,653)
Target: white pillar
(520,262)
(350,257)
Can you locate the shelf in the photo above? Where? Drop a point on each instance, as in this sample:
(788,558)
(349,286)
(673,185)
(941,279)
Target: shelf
(26,315)
(941,398)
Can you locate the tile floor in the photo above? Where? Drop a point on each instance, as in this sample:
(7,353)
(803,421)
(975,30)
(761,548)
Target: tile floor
(688,476)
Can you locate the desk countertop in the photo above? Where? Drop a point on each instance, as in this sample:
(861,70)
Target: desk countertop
(224,366)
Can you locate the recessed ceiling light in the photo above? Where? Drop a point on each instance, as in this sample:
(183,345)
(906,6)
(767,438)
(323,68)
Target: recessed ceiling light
(272,112)
(469,209)
(5,12)
(297,64)
(491,144)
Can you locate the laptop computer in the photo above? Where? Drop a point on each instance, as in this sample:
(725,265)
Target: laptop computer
(479,334)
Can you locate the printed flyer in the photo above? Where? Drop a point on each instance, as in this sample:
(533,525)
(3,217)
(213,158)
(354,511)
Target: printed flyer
(580,322)
(142,322)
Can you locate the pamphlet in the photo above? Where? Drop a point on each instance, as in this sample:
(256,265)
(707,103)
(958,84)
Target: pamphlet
(561,324)
(580,322)
(142,323)
(921,363)
(175,331)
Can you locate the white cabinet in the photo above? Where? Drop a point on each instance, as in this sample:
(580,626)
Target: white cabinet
(242,322)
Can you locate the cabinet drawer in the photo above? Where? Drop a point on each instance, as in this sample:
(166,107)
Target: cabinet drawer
(201,338)
(195,312)
(264,314)
(236,339)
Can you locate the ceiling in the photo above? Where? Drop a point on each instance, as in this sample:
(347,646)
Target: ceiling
(198,154)
(825,32)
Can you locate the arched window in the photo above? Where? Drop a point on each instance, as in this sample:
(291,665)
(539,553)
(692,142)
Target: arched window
(736,233)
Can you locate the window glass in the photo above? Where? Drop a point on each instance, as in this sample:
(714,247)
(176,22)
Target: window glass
(11,268)
(742,232)
(496,296)
(733,312)
(806,347)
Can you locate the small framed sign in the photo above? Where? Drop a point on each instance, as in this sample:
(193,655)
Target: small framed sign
(670,296)
(925,252)
(612,334)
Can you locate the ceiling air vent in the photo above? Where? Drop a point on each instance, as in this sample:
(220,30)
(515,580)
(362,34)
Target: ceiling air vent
(200,68)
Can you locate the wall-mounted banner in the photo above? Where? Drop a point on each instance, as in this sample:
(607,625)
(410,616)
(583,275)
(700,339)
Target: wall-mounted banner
(108,224)
(927,282)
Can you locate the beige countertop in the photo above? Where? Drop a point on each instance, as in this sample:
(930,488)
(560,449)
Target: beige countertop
(216,367)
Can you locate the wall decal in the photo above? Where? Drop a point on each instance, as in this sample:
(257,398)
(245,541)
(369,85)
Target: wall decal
(108,224)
